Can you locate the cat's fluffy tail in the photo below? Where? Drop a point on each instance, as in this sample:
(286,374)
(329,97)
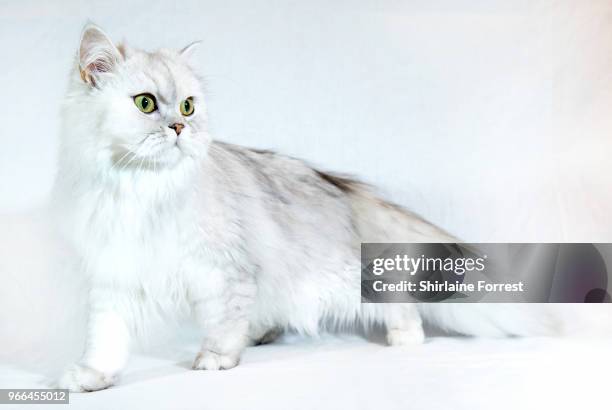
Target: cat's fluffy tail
(379,221)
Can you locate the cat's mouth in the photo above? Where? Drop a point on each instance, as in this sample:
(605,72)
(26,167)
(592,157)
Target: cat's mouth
(158,150)
(154,152)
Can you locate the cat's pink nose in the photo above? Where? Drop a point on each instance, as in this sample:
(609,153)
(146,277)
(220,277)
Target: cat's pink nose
(177,127)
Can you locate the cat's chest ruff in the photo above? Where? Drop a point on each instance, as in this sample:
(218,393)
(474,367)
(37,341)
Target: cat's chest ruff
(131,232)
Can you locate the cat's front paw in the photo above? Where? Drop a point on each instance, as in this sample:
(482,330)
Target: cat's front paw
(78,378)
(209,360)
(401,337)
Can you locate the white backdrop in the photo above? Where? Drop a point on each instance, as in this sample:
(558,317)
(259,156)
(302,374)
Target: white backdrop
(491,118)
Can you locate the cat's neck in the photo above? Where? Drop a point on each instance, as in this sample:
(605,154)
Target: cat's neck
(145,186)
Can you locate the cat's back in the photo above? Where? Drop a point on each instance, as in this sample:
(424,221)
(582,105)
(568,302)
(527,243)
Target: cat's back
(282,202)
(278,175)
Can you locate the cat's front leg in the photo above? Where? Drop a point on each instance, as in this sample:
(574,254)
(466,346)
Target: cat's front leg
(222,309)
(222,346)
(107,346)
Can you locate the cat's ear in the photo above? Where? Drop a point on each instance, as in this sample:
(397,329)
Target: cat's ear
(189,49)
(97,54)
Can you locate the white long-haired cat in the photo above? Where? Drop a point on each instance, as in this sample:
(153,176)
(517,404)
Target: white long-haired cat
(251,242)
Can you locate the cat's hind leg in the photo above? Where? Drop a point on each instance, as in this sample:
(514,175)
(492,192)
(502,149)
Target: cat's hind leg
(403,324)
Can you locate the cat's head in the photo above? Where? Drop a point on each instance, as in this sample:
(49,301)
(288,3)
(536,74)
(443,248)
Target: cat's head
(128,109)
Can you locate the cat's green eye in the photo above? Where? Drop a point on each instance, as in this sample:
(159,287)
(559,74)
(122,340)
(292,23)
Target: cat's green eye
(145,103)
(187,107)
